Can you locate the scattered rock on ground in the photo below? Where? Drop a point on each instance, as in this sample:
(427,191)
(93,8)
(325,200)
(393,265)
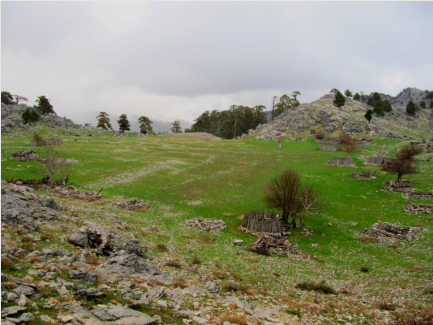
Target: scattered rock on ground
(205,224)
(71,191)
(25,155)
(133,205)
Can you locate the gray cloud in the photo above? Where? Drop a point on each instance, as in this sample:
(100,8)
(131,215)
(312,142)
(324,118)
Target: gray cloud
(173,60)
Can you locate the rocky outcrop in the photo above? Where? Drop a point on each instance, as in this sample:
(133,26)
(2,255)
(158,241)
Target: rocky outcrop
(383,230)
(72,192)
(11,119)
(100,240)
(25,155)
(348,118)
(20,203)
(205,224)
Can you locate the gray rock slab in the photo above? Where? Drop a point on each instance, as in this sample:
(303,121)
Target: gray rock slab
(83,275)
(141,320)
(211,287)
(11,311)
(24,290)
(91,293)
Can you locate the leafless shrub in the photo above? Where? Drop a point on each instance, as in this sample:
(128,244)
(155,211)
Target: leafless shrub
(235,319)
(37,137)
(174,263)
(233,286)
(47,235)
(7,264)
(92,260)
(220,275)
(369,240)
(320,134)
(383,305)
(27,239)
(349,145)
(162,247)
(181,283)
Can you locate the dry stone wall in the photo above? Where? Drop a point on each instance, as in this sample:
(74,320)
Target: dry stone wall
(419,209)
(387,230)
(327,147)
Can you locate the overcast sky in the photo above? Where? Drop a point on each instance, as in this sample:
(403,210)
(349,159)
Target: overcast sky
(174,60)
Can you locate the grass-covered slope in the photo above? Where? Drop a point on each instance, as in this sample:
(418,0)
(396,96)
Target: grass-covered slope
(183,177)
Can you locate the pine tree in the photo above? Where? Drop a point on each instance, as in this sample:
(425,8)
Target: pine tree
(29,116)
(123,123)
(357,96)
(348,93)
(44,105)
(369,115)
(423,104)
(379,109)
(387,107)
(104,121)
(411,109)
(339,100)
(145,125)
(7,98)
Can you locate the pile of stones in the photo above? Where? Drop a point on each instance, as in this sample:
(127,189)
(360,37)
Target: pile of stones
(394,186)
(269,244)
(383,230)
(366,174)
(133,205)
(419,209)
(75,193)
(422,195)
(25,155)
(205,224)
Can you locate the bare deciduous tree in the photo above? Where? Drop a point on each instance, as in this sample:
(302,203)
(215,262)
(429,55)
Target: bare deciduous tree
(349,145)
(404,162)
(284,193)
(52,164)
(311,199)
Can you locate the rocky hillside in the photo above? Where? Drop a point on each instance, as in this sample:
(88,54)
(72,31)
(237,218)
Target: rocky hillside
(406,95)
(348,118)
(11,119)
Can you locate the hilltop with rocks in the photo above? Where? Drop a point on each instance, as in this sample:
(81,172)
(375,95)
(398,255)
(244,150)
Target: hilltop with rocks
(12,120)
(349,118)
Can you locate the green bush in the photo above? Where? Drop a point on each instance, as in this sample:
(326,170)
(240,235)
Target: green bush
(29,116)
(339,100)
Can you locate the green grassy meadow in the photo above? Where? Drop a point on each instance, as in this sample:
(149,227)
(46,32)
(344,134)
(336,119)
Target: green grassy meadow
(184,177)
